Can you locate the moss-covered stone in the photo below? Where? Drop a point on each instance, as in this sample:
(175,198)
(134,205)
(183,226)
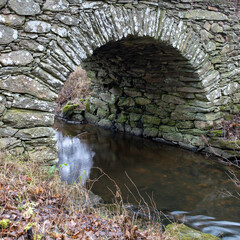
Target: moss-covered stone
(134,117)
(225,143)
(151,119)
(204,125)
(112,117)
(194,131)
(228,117)
(108,98)
(101,113)
(185,124)
(150,132)
(133,124)
(132,92)
(37,132)
(156,110)
(68,109)
(122,117)
(215,133)
(126,101)
(193,140)
(142,101)
(168,129)
(175,136)
(182,232)
(134,110)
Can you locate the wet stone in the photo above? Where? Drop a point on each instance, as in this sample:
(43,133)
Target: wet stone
(24,7)
(106,123)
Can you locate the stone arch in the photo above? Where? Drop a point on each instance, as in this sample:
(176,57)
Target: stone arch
(92,30)
(111,23)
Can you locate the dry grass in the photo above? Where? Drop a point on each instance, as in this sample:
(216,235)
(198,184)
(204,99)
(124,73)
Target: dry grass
(75,89)
(39,206)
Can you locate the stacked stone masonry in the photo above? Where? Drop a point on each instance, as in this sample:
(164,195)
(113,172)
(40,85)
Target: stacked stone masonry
(168,70)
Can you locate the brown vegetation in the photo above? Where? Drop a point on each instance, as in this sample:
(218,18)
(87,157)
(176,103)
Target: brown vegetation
(75,89)
(34,204)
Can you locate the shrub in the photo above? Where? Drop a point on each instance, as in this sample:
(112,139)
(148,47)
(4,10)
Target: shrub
(75,89)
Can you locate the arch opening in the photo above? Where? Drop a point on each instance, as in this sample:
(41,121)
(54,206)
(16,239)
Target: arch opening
(145,87)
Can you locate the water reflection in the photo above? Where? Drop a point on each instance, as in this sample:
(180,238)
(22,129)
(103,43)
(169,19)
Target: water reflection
(75,159)
(177,179)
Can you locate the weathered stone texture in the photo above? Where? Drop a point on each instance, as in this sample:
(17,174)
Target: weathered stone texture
(24,7)
(12,20)
(7,34)
(158,69)
(56,5)
(3,3)
(24,84)
(16,58)
(26,119)
(37,27)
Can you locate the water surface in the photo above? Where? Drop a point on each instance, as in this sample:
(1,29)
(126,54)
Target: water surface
(187,185)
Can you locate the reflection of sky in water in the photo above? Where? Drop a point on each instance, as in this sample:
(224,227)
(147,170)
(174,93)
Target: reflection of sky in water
(180,180)
(75,158)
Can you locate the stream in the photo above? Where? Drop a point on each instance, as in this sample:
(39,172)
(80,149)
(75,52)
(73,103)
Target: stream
(187,186)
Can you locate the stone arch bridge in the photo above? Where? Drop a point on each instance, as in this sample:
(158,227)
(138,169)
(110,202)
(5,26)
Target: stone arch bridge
(165,69)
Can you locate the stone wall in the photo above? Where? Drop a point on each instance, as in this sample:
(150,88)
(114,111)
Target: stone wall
(162,69)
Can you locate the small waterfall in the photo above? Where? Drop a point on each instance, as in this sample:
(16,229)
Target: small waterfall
(75,159)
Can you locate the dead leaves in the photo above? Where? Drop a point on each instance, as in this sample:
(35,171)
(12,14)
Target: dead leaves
(36,212)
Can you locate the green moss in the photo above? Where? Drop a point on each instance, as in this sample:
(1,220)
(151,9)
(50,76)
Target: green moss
(112,117)
(87,106)
(182,232)
(122,118)
(229,117)
(69,107)
(224,108)
(151,119)
(142,101)
(4,223)
(224,143)
(171,123)
(216,133)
